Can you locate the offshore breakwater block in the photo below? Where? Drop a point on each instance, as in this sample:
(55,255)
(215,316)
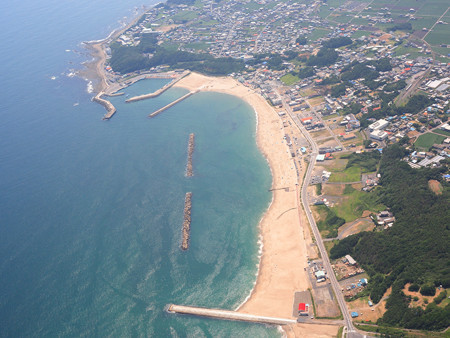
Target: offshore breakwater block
(186,229)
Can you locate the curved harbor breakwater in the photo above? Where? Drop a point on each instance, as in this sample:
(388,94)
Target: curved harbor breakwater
(187,221)
(191,145)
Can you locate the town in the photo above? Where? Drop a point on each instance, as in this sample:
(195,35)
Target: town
(368,84)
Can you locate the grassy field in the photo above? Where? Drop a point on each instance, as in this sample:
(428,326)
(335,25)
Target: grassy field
(197,45)
(439,35)
(329,117)
(184,16)
(318,33)
(442,132)
(355,203)
(289,79)
(423,22)
(360,33)
(425,141)
(352,174)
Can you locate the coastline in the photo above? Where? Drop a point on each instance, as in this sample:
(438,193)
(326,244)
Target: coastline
(283,249)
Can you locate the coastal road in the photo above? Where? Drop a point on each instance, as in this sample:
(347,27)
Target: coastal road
(350,329)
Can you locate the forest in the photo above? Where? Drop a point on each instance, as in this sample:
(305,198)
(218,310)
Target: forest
(415,250)
(130,59)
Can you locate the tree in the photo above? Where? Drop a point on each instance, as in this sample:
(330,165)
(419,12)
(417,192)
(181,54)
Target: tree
(301,40)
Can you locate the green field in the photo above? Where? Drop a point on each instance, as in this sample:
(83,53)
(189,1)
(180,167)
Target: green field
(289,79)
(184,16)
(352,174)
(355,202)
(360,33)
(439,35)
(414,52)
(197,45)
(442,132)
(423,22)
(318,33)
(425,141)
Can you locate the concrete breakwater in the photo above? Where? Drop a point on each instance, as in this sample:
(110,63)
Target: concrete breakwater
(172,104)
(186,221)
(191,145)
(228,315)
(159,91)
(110,109)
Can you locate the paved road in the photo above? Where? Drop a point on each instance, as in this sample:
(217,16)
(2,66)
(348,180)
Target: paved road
(350,329)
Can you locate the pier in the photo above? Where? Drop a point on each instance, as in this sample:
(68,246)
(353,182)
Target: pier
(228,315)
(110,109)
(159,91)
(191,145)
(187,221)
(172,104)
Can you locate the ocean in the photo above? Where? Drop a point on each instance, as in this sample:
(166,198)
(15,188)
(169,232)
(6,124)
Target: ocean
(91,211)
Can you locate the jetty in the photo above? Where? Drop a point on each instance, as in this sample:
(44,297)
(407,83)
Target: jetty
(156,112)
(191,145)
(228,315)
(110,109)
(159,91)
(187,221)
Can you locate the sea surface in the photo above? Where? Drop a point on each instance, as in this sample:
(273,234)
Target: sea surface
(91,211)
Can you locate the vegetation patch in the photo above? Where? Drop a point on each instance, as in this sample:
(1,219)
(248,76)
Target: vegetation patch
(414,250)
(426,141)
(289,79)
(329,222)
(352,174)
(356,202)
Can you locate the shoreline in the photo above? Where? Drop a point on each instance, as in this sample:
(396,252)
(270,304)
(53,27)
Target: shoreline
(283,249)
(281,234)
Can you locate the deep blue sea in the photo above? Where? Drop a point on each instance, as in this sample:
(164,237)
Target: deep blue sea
(91,211)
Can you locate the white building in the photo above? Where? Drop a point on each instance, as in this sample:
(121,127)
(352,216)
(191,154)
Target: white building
(379,135)
(378,125)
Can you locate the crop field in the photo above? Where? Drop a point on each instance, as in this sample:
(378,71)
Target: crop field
(433,8)
(439,35)
(423,22)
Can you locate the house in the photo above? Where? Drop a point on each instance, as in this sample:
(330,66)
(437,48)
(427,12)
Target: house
(303,309)
(347,137)
(350,260)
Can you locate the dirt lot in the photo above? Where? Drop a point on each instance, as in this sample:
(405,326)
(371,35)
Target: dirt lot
(333,189)
(422,298)
(320,133)
(366,312)
(346,271)
(361,224)
(336,164)
(325,302)
(435,186)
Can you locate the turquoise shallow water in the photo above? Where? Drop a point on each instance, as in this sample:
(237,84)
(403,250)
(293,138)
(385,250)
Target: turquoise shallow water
(91,211)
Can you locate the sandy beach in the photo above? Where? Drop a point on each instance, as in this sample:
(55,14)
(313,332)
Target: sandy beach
(284,231)
(284,256)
